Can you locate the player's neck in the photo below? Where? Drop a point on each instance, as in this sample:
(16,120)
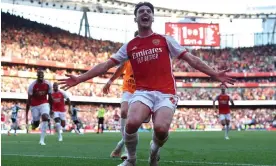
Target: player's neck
(145,32)
(39,81)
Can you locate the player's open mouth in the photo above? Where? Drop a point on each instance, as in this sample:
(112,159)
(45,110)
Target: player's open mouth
(145,19)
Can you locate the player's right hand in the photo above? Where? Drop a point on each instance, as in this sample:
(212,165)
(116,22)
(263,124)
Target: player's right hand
(68,82)
(106,88)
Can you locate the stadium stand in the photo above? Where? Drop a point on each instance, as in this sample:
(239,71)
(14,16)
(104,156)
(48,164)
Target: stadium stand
(184,118)
(27,45)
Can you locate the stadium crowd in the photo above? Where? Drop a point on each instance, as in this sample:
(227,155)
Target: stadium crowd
(20,85)
(184,118)
(22,38)
(20,77)
(51,73)
(25,39)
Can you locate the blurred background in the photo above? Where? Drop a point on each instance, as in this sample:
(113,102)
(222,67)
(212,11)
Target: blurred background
(69,36)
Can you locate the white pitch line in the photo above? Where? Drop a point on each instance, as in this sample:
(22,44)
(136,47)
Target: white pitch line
(15,141)
(164,161)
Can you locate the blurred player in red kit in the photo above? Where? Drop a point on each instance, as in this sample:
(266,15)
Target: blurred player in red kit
(59,97)
(2,120)
(39,104)
(116,119)
(224,109)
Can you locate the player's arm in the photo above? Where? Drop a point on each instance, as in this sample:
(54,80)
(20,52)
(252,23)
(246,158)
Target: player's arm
(214,103)
(69,110)
(21,108)
(68,101)
(119,57)
(232,102)
(50,100)
(95,71)
(180,52)
(116,75)
(28,107)
(200,65)
(30,95)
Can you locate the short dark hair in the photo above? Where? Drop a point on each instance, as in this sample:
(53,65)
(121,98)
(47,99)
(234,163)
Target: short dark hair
(39,70)
(148,4)
(135,33)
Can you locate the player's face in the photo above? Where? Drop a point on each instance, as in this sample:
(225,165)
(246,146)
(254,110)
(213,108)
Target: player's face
(55,87)
(144,17)
(40,75)
(223,91)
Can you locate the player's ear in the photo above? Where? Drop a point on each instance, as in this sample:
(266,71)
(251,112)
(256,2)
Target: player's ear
(135,19)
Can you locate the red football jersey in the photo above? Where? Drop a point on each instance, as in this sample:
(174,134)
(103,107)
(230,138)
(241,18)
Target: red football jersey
(2,117)
(116,117)
(59,98)
(223,103)
(39,92)
(151,61)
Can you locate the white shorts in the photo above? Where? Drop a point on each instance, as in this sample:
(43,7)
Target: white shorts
(116,123)
(61,115)
(39,110)
(154,99)
(224,117)
(126,96)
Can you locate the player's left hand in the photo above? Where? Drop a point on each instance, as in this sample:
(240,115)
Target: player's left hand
(68,82)
(106,88)
(224,78)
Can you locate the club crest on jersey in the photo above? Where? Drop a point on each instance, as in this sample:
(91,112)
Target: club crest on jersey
(173,100)
(156,42)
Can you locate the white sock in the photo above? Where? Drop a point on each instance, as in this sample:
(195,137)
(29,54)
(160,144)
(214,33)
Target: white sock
(120,145)
(126,150)
(44,126)
(157,144)
(58,128)
(123,125)
(131,141)
(226,130)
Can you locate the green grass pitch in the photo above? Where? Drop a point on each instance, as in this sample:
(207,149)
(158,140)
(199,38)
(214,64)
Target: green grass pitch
(244,148)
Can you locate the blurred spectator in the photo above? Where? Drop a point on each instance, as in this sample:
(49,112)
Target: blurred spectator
(184,118)
(17,70)
(23,38)
(267,93)
(20,85)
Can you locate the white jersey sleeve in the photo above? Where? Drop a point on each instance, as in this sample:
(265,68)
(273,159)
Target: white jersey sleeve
(175,48)
(216,98)
(50,91)
(121,55)
(65,95)
(31,88)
